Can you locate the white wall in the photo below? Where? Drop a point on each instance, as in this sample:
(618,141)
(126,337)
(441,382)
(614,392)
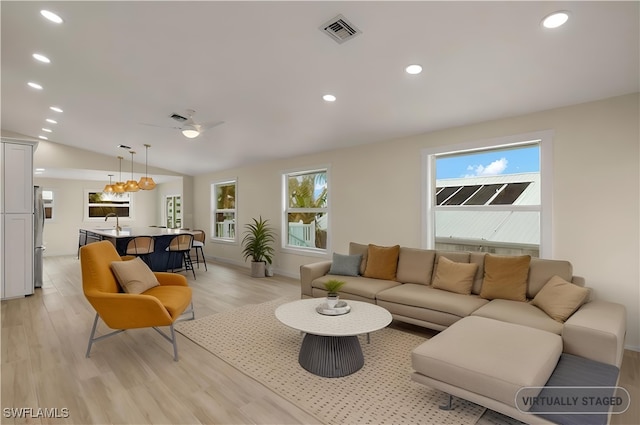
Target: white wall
(596,209)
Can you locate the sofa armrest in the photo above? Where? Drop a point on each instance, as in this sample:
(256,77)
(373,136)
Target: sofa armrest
(310,272)
(596,331)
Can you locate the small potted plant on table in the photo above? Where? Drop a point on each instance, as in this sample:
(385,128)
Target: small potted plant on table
(333,286)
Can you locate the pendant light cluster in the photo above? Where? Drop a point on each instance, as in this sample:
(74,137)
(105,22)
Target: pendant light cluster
(145,183)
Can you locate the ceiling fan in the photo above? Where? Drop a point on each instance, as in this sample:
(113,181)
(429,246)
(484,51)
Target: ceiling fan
(188,126)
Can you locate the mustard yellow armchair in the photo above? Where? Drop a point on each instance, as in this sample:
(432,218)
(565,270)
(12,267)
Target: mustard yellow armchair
(161,305)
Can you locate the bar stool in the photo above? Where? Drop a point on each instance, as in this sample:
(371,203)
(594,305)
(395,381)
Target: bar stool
(181,245)
(141,246)
(199,237)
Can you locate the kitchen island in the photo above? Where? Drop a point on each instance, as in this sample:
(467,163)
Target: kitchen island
(159,260)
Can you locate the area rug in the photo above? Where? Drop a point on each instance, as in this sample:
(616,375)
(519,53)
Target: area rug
(252,340)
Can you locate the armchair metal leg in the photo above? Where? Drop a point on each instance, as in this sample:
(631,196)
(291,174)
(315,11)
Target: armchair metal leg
(171,339)
(189,311)
(93,332)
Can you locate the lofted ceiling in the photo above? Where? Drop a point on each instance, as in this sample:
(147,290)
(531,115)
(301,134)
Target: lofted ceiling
(119,69)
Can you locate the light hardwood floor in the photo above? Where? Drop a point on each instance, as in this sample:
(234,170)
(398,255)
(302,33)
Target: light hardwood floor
(131,378)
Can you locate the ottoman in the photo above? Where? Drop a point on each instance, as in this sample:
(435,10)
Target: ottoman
(487,361)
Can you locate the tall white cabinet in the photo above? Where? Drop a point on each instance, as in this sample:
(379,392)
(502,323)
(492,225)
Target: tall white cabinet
(16,224)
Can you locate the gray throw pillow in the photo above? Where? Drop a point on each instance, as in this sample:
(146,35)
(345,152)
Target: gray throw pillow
(346,265)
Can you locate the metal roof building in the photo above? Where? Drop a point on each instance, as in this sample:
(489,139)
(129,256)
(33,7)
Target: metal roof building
(475,212)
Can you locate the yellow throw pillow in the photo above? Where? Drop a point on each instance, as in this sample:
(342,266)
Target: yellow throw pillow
(382,262)
(505,277)
(134,276)
(454,277)
(560,299)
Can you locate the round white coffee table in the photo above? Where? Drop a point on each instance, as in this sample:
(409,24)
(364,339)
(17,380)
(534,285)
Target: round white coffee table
(330,347)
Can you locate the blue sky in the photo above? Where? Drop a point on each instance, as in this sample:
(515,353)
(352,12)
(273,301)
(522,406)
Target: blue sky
(497,162)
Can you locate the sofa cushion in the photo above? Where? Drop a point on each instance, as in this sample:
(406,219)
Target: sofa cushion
(541,270)
(454,277)
(382,262)
(505,277)
(415,265)
(521,313)
(560,299)
(134,276)
(489,357)
(360,249)
(477,258)
(361,286)
(347,265)
(435,299)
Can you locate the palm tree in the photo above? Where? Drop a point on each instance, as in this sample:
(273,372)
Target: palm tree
(303,194)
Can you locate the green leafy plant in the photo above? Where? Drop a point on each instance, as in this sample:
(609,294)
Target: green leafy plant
(258,240)
(333,286)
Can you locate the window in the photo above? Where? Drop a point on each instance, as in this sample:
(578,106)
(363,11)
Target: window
(306,217)
(173,211)
(490,196)
(99,204)
(223,223)
(47,198)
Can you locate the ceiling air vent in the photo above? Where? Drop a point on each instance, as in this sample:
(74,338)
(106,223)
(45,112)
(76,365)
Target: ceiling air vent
(339,29)
(177,117)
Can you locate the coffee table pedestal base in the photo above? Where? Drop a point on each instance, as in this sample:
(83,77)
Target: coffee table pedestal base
(331,356)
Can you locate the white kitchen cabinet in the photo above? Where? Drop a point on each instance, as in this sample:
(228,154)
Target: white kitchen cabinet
(17,178)
(18,255)
(16,219)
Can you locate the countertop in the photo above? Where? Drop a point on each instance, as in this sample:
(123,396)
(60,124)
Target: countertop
(128,232)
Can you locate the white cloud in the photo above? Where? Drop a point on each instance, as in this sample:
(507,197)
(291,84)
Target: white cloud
(496,167)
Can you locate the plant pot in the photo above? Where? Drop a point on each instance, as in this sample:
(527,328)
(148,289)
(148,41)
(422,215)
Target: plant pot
(268,271)
(257,269)
(332,300)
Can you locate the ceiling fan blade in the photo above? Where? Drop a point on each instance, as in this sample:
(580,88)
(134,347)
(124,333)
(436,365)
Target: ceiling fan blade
(160,126)
(211,124)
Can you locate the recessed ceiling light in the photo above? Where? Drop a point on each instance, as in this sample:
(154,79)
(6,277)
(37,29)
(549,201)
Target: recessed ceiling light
(555,19)
(34,85)
(43,137)
(51,16)
(41,58)
(413,69)
(329,98)
(40,169)
(48,130)
(55,109)
(51,121)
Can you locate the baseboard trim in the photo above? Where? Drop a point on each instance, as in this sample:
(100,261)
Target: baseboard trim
(247,266)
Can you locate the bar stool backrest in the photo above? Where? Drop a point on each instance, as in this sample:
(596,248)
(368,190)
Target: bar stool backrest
(181,243)
(140,245)
(199,235)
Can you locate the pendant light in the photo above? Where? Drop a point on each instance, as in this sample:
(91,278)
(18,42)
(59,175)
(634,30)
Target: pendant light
(146,182)
(109,188)
(131,185)
(119,186)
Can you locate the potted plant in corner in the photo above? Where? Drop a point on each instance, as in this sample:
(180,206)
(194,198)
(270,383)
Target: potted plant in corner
(333,286)
(257,244)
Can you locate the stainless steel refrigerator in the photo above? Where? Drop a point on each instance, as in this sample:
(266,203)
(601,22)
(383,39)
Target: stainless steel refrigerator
(38,228)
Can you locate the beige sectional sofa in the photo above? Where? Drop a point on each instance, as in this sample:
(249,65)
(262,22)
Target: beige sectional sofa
(595,331)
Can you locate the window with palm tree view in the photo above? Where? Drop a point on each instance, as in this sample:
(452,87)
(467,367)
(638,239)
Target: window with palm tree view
(306,212)
(224,210)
